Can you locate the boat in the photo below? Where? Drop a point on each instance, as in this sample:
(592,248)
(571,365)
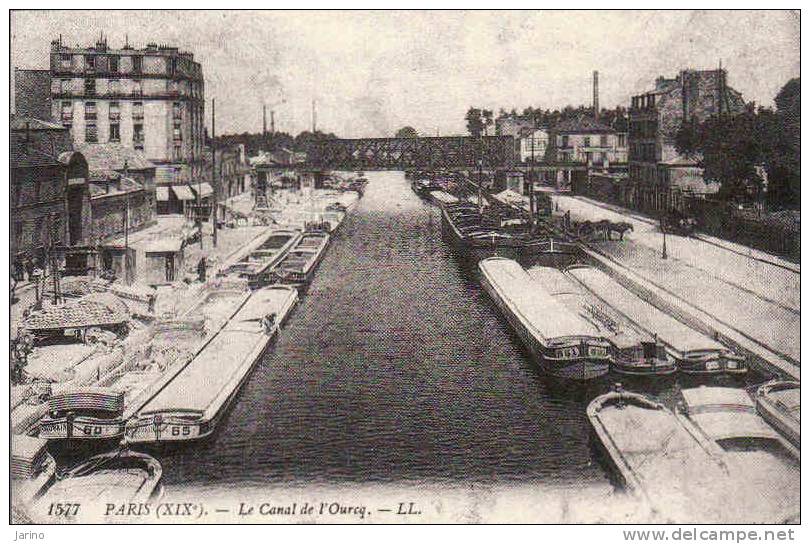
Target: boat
(83,414)
(441,197)
(119,477)
(696,353)
(257,267)
(423,187)
(664,460)
(634,352)
(32,469)
(298,267)
(191,405)
(779,403)
(562,343)
(768,463)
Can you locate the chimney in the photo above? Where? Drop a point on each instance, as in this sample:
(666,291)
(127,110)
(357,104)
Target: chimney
(595,95)
(264,121)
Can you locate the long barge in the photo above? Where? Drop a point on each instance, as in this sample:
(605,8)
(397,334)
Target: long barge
(190,406)
(562,343)
(633,352)
(257,267)
(83,414)
(298,267)
(695,353)
(661,458)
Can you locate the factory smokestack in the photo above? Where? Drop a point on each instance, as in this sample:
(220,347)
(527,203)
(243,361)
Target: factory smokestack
(264,120)
(595,95)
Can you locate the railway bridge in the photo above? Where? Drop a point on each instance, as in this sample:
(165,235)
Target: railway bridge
(440,152)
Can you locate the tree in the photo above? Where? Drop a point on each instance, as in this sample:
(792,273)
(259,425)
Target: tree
(486,119)
(407,132)
(475,125)
(729,152)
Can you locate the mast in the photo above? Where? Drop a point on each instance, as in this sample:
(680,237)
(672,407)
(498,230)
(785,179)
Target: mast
(214,178)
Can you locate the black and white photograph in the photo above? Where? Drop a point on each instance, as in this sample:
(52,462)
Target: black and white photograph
(409,266)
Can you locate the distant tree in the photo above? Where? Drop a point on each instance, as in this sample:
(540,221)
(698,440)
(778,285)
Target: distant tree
(487,120)
(407,132)
(475,125)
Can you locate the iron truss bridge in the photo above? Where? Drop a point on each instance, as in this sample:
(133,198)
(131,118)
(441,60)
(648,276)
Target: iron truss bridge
(401,153)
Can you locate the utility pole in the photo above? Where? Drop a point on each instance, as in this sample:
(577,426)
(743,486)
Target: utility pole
(531,185)
(214,177)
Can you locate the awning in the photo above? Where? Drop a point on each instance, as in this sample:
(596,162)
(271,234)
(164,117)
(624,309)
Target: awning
(204,189)
(183,192)
(162,193)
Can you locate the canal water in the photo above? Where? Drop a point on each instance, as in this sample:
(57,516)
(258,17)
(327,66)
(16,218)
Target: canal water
(395,367)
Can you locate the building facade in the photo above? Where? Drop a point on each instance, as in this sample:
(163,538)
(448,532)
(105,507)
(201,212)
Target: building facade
(533,144)
(657,115)
(149,99)
(32,94)
(586,141)
(46,181)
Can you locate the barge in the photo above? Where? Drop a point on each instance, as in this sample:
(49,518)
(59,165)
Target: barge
(83,414)
(695,353)
(298,267)
(190,406)
(753,449)
(563,344)
(660,458)
(32,469)
(633,352)
(257,267)
(779,403)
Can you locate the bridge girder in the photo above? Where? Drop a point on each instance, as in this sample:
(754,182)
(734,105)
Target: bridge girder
(401,153)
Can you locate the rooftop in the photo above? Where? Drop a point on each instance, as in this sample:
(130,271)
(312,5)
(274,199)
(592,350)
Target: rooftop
(111,157)
(581,125)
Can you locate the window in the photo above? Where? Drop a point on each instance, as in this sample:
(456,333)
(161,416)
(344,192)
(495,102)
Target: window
(622,140)
(18,232)
(65,85)
(115,132)
(90,111)
(67,110)
(177,151)
(603,140)
(115,111)
(65,61)
(564,142)
(115,87)
(137,63)
(177,133)
(138,135)
(586,141)
(90,63)
(91,133)
(114,63)
(90,87)
(137,110)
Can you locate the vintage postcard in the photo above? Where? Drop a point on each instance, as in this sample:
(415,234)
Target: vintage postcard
(388,267)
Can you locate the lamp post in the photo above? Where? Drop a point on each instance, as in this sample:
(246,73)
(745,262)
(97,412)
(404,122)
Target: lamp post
(664,244)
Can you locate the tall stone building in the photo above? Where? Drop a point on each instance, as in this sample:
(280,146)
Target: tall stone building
(150,99)
(656,116)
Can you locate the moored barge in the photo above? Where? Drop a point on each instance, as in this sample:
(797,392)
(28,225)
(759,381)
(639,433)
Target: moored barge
(298,267)
(191,405)
(83,414)
(562,343)
(779,403)
(634,352)
(695,353)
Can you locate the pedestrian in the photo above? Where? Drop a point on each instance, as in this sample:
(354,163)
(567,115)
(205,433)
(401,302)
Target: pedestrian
(29,268)
(19,268)
(201,266)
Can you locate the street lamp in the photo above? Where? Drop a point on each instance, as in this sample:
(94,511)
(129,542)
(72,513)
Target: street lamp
(664,232)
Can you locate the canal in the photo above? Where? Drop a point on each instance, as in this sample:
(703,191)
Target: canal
(395,367)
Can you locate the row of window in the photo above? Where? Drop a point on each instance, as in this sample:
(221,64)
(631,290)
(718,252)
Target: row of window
(90,112)
(127,63)
(130,86)
(644,151)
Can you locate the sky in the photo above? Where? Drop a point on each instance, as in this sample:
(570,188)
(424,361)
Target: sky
(370,73)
